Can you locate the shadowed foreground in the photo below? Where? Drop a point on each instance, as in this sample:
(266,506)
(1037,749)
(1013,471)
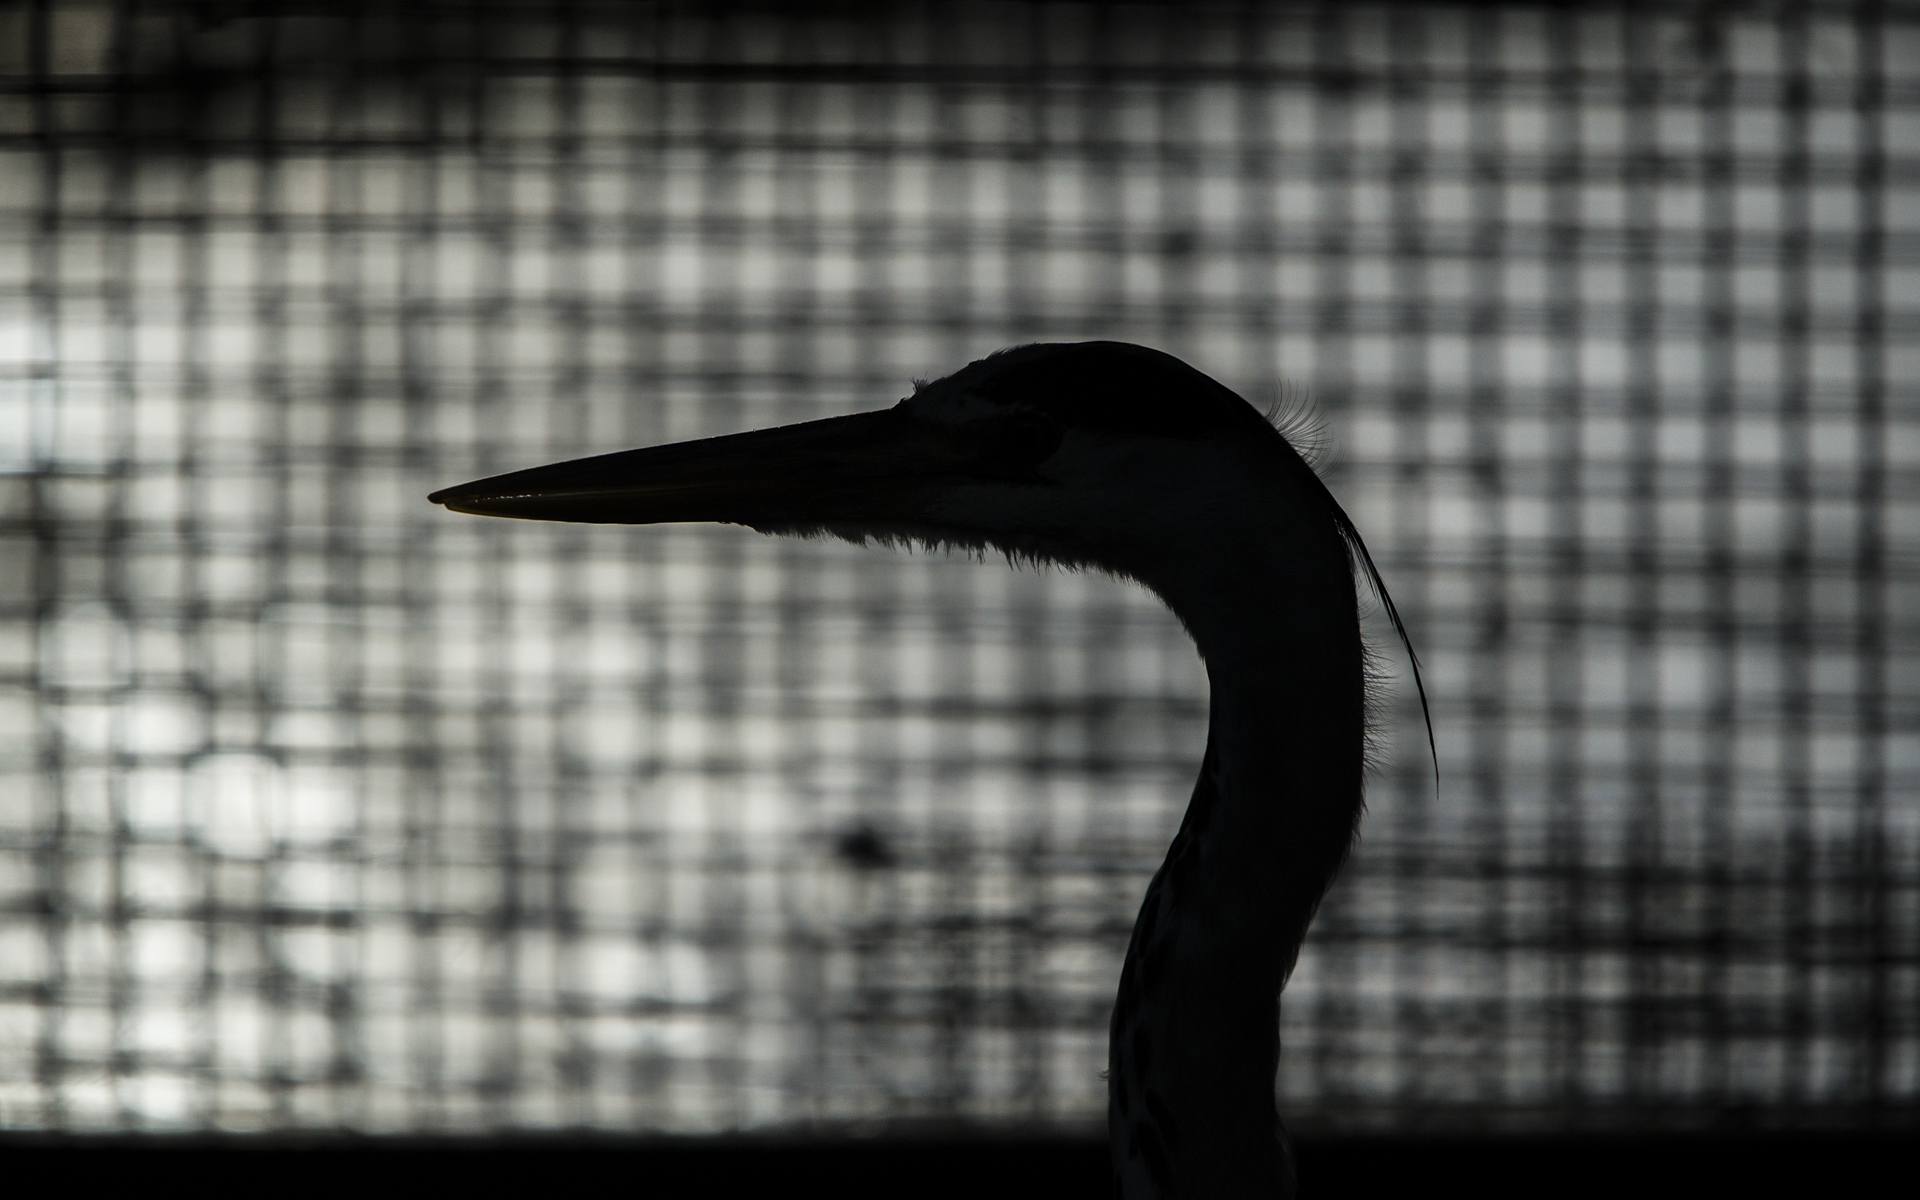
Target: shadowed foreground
(1757,1165)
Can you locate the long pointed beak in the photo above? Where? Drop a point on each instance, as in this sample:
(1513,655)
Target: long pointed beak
(875,465)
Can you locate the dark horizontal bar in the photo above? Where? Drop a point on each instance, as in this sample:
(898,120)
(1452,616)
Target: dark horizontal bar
(1754,1163)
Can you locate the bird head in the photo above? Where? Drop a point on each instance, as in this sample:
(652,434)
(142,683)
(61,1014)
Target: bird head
(1094,453)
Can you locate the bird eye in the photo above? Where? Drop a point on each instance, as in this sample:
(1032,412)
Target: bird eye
(1026,437)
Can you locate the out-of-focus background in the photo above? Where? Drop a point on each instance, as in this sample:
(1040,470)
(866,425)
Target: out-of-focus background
(322,809)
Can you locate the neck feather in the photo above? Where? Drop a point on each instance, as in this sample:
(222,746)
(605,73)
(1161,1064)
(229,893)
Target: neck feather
(1195,1035)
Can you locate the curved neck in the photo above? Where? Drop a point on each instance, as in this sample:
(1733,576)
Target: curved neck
(1195,1035)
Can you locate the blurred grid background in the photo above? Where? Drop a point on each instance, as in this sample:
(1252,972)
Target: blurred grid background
(325,809)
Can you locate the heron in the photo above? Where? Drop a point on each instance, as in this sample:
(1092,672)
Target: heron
(1123,459)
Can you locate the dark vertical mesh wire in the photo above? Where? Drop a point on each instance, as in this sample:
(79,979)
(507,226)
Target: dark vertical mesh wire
(326,809)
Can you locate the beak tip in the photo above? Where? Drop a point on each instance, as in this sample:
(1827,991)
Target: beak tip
(477,501)
(460,500)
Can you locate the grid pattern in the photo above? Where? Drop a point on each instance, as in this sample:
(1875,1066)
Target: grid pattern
(321,808)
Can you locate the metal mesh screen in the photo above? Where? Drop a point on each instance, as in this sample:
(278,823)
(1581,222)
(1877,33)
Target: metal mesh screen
(323,808)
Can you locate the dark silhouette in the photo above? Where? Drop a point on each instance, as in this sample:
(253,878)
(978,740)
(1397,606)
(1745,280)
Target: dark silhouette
(1123,459)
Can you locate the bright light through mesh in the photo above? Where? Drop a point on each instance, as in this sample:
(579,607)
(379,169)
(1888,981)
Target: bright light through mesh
(322,808)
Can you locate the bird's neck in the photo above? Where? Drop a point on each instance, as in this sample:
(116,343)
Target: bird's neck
(1195,1038)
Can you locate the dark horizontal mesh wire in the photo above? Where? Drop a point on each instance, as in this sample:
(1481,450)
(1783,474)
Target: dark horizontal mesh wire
(325,808)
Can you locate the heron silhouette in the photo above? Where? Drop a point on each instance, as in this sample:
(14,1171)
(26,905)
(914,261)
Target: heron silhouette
(1124,459)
